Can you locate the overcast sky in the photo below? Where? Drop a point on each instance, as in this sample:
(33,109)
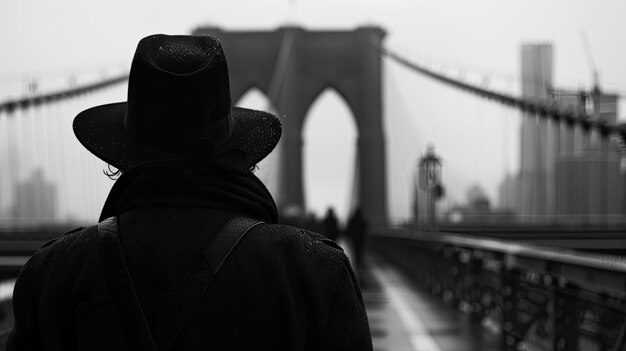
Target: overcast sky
(477,140)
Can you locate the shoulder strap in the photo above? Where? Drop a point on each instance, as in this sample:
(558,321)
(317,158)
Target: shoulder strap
(178,310)
(189,294)
(123,294)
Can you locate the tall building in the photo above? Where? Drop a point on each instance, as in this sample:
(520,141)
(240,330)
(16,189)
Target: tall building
(509,193)
(566,174)
(589,177)
(35,199)
(538,141)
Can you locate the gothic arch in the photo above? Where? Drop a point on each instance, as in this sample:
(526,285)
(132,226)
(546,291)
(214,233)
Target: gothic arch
(310,101)
(242,93)
(329,154)
(293,66)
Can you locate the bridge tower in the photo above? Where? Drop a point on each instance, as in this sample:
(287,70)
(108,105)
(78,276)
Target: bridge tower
(292,66)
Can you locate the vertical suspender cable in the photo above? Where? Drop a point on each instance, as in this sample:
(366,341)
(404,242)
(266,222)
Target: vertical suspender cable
(280,67)
(276,82)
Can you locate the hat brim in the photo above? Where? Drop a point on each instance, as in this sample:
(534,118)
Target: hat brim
(101,130)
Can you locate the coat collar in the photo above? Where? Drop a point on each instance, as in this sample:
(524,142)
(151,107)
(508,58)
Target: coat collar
(185,184)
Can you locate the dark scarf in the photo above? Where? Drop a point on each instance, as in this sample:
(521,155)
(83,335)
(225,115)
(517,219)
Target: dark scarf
(185,184)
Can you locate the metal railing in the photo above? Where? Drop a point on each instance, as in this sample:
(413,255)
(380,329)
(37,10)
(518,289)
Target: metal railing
(536,298)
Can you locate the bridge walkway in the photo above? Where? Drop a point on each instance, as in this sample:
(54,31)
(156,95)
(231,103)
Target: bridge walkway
(403,317)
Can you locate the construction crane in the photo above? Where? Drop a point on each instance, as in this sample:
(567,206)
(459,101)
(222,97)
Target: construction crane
(591,62)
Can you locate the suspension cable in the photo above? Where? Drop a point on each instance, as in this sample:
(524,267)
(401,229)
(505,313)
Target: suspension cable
(542,108)
(42,99)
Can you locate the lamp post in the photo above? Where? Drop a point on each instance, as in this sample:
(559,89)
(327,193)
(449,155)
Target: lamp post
(430,181)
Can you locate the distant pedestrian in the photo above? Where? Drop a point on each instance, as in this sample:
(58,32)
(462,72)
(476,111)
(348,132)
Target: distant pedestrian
(187,254)
(357,233)
(331,225)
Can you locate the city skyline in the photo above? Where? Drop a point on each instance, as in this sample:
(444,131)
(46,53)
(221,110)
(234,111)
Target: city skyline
(481,38)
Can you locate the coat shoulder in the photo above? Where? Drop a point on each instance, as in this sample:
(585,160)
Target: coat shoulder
(289,235)
(74,239)
(297,246)
(74,243)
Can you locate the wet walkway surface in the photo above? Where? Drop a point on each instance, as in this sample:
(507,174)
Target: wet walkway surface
(403,318)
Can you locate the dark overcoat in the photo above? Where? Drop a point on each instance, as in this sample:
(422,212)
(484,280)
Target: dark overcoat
(282,288)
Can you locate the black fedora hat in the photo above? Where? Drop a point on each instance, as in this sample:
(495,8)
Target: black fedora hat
(178,108)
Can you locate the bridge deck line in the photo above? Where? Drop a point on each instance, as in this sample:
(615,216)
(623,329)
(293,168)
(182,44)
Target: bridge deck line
(404,318)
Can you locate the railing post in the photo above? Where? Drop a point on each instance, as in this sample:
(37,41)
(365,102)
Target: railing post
(565,318)
(508,291)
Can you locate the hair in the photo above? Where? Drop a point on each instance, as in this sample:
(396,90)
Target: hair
(112,172)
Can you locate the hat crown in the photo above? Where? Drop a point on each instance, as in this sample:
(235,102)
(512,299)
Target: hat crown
(180,54)
(178,109)
(178,93)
